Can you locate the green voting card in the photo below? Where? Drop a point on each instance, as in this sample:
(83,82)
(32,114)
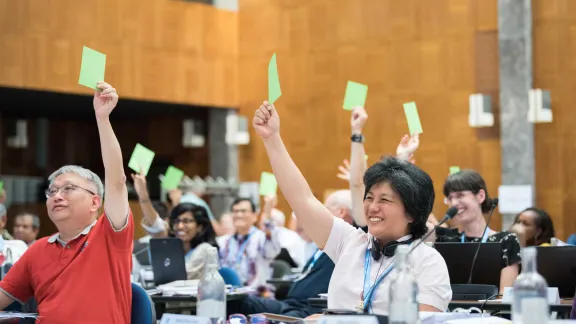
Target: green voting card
(1,186)
(355,95)
(92,68)
(268,184)
(454,169)
(412,117)
(141,159)
(274,91)
(366,157)
(172,178)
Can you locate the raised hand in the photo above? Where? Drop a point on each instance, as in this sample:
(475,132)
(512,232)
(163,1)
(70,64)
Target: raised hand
(140,185)
(105,101)
(344,171)
(407,147)
(266,121)
(358,119)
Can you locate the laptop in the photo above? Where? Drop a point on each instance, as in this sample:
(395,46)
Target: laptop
(167,258)
(458,257)
(557,264)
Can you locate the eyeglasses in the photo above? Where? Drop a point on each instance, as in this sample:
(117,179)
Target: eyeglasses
(185,221)
(64,190)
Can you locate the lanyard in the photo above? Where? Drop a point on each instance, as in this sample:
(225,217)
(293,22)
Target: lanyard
(188,254)
(315,258)
(242,248)
(369,291)
(484,237)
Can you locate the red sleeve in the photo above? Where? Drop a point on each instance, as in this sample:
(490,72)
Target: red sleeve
(17,282)
(123,238)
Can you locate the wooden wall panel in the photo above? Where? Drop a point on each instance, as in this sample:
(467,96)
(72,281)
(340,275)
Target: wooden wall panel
(554,35)
(435,53)
(165,50)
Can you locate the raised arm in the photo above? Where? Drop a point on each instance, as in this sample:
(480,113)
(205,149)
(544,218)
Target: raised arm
(407,147)
(313,216)
(358,165)
(116,195)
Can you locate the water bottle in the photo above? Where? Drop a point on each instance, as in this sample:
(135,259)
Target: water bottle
(403,291)
(212,290)
(530,293)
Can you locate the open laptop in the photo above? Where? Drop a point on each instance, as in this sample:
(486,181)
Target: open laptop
(458,257)
(167,258)
(557,264)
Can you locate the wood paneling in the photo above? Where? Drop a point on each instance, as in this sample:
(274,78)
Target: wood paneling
(554,32)
(436,53)
(163,50)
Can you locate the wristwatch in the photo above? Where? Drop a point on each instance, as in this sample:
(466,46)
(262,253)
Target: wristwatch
(357,138)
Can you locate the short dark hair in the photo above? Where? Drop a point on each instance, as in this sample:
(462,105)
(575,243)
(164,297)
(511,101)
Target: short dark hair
(208,235)
(412,184)
(241,199)
(542,222)
(468,180)
(35,219)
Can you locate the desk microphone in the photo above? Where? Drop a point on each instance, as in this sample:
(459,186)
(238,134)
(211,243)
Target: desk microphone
(494,204)
(450,213)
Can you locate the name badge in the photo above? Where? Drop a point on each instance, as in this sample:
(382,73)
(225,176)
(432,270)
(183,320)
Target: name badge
(183,319)
(553,295)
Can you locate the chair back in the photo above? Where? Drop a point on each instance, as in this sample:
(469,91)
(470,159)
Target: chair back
(473,292)
(230,277)
(280,269)
(143,311)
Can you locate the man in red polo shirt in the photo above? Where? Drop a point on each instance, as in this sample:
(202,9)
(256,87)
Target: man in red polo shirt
(82,273)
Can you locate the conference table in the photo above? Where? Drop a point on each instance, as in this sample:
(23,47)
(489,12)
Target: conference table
(182,304)
(494,307)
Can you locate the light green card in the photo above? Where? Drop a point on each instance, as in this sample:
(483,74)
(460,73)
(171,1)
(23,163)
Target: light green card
(1,186)
(454,169)
(92,68)
(413,119)
(274,91)
(366,157)
(268,184)
(141,158)
(172,178)
(355,95)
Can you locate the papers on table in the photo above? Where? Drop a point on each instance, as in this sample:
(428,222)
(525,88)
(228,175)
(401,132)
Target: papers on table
(190,288)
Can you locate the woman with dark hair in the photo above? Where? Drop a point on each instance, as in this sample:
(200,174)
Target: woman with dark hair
(466,190)
(534,226)
(398,197)
(191,224)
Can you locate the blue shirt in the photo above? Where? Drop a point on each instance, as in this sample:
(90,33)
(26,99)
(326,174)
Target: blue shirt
(316,281)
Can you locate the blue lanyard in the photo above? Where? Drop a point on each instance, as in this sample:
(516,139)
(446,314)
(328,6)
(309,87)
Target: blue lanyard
(369,291)
(484,237)
(315,258)
(188,254)
(242,248)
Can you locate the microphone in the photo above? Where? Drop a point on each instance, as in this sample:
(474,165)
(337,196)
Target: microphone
(450,213)
(494,204)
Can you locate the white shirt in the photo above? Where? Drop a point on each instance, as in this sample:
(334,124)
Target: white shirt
(294,244)
(347,246)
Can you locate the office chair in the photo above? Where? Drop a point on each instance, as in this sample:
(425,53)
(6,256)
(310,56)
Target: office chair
(143,311)
(230,277)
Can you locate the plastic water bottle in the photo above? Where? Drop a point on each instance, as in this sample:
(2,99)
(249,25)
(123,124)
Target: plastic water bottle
(530,293)
(212,290)
(403,291)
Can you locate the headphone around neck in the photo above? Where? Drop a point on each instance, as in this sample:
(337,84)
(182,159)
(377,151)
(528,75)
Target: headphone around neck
(388,250)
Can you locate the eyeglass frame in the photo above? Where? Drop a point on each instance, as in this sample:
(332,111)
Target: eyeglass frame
(59,189)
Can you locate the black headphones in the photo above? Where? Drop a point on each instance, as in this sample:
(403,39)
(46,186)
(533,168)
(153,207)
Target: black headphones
(387,250)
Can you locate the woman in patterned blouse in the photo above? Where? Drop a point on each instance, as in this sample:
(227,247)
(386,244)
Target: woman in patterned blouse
(466,190)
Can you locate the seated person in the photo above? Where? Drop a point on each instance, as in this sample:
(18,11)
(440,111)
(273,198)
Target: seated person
(82,273)
(466,190)
(313,281)
(154,214)
(534,227)
(192,225)
(398,199)
(249,251)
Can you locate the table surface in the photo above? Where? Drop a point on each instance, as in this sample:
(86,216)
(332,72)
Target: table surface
(159,299)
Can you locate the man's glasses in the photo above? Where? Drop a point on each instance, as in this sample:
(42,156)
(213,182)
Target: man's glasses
(64,190)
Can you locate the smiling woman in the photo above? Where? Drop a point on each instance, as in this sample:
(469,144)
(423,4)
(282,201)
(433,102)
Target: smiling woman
(397,201)
(191,224)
